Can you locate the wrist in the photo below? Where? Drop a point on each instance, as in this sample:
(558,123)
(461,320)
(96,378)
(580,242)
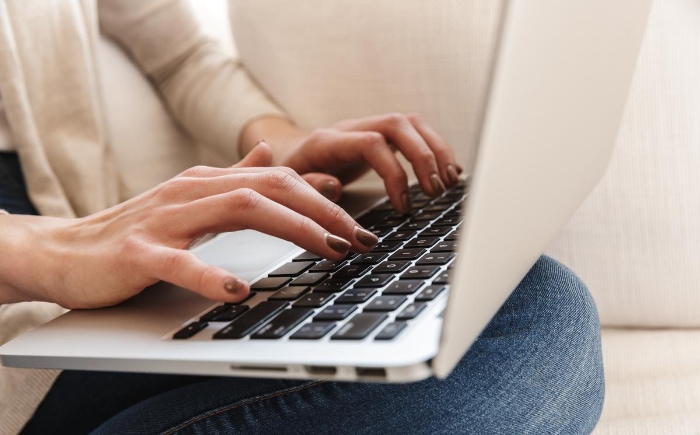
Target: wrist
(26,269)
(282,136)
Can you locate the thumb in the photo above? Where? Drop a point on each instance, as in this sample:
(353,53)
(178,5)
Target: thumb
(327,185)
(259,156)
(185,270)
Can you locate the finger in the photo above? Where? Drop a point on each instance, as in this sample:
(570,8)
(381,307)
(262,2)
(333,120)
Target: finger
(400,132)
(326,184)
(185,270)
(259,156)
(449,170)
(372,147)
(247,209)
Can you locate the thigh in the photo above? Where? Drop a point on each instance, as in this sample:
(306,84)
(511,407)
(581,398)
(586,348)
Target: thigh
(536,368)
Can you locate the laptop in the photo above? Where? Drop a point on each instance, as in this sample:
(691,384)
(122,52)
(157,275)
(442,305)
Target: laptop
(412,307)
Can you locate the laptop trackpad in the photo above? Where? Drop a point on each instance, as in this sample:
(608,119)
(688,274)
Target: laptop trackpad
(248,254)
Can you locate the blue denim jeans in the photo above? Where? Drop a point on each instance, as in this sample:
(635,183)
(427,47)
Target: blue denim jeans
(535,369)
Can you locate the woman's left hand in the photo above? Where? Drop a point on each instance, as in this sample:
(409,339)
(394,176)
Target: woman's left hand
(329,157)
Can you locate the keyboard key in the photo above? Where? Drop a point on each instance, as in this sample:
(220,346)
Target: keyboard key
(313,331)
(327,266)
(401,235)
(420,272)
(381,231)
(232,314)
(371,258)
(385,303)
(435,231)
(267,284)
(386,246)
(307,256)
(190,330)
(391,222)
(289,293)
(413,226)
(335,312)
(351,271)
(355,296)
(214,312)
(251,320)
(251,294)
(390,331)
(421,242)
(448,220)
(454,235)
(313,300)
(391,267)
(439,258)
(374,280)
(407,254)
(333,285)
(411,311)
(443,278)
(426,216)
(372,217)
(403,287)
(359,326)
(446,246)
(283,323)
(292,269)
(430,293)
(309,278)
(437,207)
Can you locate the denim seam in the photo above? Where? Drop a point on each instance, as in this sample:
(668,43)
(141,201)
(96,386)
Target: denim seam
(239,404)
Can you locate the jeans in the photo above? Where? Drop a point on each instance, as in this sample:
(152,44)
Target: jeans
(13,191)
(535,369)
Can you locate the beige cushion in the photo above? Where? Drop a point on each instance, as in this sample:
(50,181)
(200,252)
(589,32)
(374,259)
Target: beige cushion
(636,241)
(652,382)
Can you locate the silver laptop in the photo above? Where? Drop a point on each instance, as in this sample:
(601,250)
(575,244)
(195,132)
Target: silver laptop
(412,307)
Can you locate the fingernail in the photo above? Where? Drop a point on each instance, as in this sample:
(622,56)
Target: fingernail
(452,174)
(328,189)
(438,187)
(365,237)
(406,203)
(259,142)
(338,244)
(460,169)
(233,285)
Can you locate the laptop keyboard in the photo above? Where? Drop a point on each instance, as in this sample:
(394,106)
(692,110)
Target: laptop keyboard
(375,294)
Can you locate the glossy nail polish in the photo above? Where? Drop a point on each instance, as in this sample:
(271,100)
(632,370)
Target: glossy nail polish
(365,237)
(233,285)
(338,244)
(437,185)
(452,174)
(328,189)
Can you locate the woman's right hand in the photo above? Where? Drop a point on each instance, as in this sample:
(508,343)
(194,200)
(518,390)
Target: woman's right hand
(106,258)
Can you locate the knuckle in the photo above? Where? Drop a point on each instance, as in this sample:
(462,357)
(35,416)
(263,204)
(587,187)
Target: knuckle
(396,119)
(280,179)
(195,171)
(171,261)
(374,138)
(414,117)
(320,134)
(246,199)
(334,212)
(426,157)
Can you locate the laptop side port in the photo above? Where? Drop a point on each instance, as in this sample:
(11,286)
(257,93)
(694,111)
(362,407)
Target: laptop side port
(370,372)
(321,370)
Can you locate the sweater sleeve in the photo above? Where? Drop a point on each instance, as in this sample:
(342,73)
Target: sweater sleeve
(207,91)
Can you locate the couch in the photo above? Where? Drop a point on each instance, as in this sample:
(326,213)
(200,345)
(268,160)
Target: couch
(635,242)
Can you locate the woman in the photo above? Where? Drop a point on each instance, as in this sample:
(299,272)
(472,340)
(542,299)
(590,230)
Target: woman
(536,368)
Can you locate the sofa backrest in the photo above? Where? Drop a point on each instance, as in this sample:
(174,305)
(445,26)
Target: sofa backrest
(636,240)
